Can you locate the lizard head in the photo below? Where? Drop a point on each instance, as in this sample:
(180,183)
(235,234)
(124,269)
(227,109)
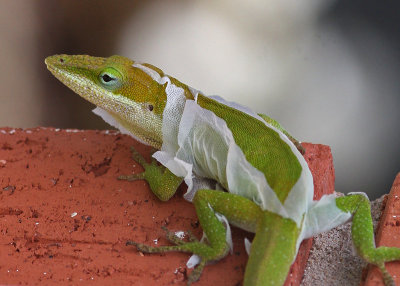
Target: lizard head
(126,94)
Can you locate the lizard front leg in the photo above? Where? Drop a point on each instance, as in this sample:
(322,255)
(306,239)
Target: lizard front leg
(163,183)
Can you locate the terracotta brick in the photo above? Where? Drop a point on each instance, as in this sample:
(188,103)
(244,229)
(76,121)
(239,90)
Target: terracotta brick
(64,218)
(388,235)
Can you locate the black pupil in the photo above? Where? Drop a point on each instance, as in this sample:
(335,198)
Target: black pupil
(107,78)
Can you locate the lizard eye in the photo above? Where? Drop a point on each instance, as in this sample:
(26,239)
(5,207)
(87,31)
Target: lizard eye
(106,78)
(110,78)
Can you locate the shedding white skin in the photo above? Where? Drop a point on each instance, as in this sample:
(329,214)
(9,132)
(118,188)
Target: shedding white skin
(323,215)
(198,144)
(107,117)
(247,245)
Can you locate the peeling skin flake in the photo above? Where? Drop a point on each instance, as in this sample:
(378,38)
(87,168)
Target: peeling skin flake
(247,245)
(180,234)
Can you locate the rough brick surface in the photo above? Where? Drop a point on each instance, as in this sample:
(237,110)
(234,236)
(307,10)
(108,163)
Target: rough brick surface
(388,235)
(64,218)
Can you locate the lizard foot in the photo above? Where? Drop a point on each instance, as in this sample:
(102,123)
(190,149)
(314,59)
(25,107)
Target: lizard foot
(173,237)
(205,253)
(136,156)
(162,181)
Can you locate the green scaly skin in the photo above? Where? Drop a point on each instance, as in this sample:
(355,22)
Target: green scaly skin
(137,102)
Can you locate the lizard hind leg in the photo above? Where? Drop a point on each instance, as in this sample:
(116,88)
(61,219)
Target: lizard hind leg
(363,234)
(215,247)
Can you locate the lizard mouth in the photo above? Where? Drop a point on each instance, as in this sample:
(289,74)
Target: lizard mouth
(77,76)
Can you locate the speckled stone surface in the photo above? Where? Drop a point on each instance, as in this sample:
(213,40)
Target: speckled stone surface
(333,260)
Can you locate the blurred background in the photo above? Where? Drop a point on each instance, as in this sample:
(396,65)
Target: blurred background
(327,70)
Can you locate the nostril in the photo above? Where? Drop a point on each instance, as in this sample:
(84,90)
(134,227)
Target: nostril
(61,60)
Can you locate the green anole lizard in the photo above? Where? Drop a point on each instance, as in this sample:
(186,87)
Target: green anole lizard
(263,182)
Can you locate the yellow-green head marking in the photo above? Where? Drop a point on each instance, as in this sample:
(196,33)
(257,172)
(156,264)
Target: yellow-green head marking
(128,95)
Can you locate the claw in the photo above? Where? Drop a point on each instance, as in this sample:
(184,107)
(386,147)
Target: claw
(193,276)
(133,177)
(196,273)
(142,247)
(387,278)
(194,246)
(138,157)
(130,242)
